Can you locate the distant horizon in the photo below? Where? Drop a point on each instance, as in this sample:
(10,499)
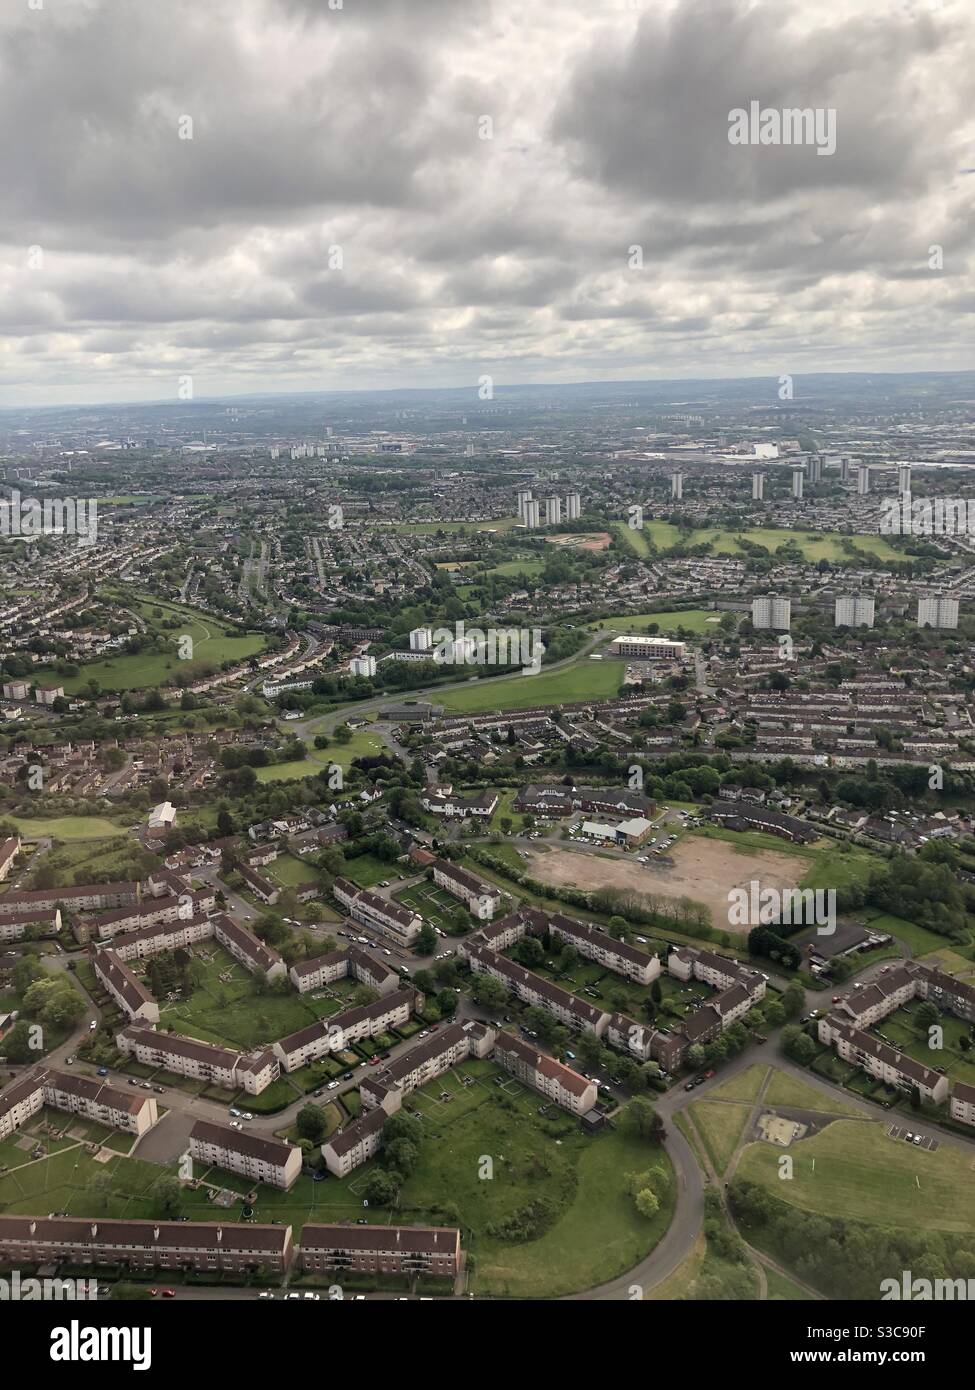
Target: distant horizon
(499,388)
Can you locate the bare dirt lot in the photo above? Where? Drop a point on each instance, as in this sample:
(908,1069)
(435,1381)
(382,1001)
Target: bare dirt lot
(705,870)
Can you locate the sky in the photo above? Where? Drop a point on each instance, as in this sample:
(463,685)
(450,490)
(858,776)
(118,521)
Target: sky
(293,195)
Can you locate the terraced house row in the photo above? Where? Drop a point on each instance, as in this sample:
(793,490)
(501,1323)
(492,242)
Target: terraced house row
(245,1249)
(131,1112)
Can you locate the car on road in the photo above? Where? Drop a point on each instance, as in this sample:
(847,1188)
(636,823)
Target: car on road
(234,1113)
(837,998)
(314,1297)
(236,1124)
(708,1074)
(290,1297)
(93,1025)
(333,1086)
(103,1071)
(265,1293)
(169,1293)
(374,1061)
(69,1060)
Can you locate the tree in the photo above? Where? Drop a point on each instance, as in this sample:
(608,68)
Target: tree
(798,1045)
(646,1202)
(311,1123)
(640,1120)
(167,1197)
(382,1187)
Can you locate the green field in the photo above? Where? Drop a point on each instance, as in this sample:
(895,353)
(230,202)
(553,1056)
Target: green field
(232,1012)
(67,828)
(693,619)
(511,569)
(585,680)
(213,643)
(791,1092)
(363,744)
(815,545)
(744,1085)
(863,1175)
(597,1232)
(720,1125)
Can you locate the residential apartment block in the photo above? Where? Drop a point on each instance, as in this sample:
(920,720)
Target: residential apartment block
(327,1035)
(128,991)
(252,1155)
(131,1112)
(307,975)
(533,989)
(409,1250)
(389,1085)
(543,1073)
(483,899)
(354,1145)
(202,1061)
(204,1247)
(879,1060)
(401,923)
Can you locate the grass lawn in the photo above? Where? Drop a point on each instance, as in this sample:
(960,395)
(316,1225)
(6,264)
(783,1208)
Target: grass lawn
(290,871)
(788,1090)
(815,545)
(862,1174)
(363,744)
(68,828)
(213,643)
(233,1013)
(366,870)
(720,1125)
(512,569)
(433,903)
(693,619)
(918,939)
(597,1232)
(902,1029)
(743,1086)
(783,1290)
(584,680)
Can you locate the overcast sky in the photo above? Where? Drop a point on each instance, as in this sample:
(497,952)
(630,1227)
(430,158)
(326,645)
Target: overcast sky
(130,257)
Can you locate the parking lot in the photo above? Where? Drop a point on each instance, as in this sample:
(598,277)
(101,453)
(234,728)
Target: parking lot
(910,1136)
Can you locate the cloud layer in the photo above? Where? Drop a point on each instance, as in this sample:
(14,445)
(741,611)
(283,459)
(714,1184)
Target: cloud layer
(285,195)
